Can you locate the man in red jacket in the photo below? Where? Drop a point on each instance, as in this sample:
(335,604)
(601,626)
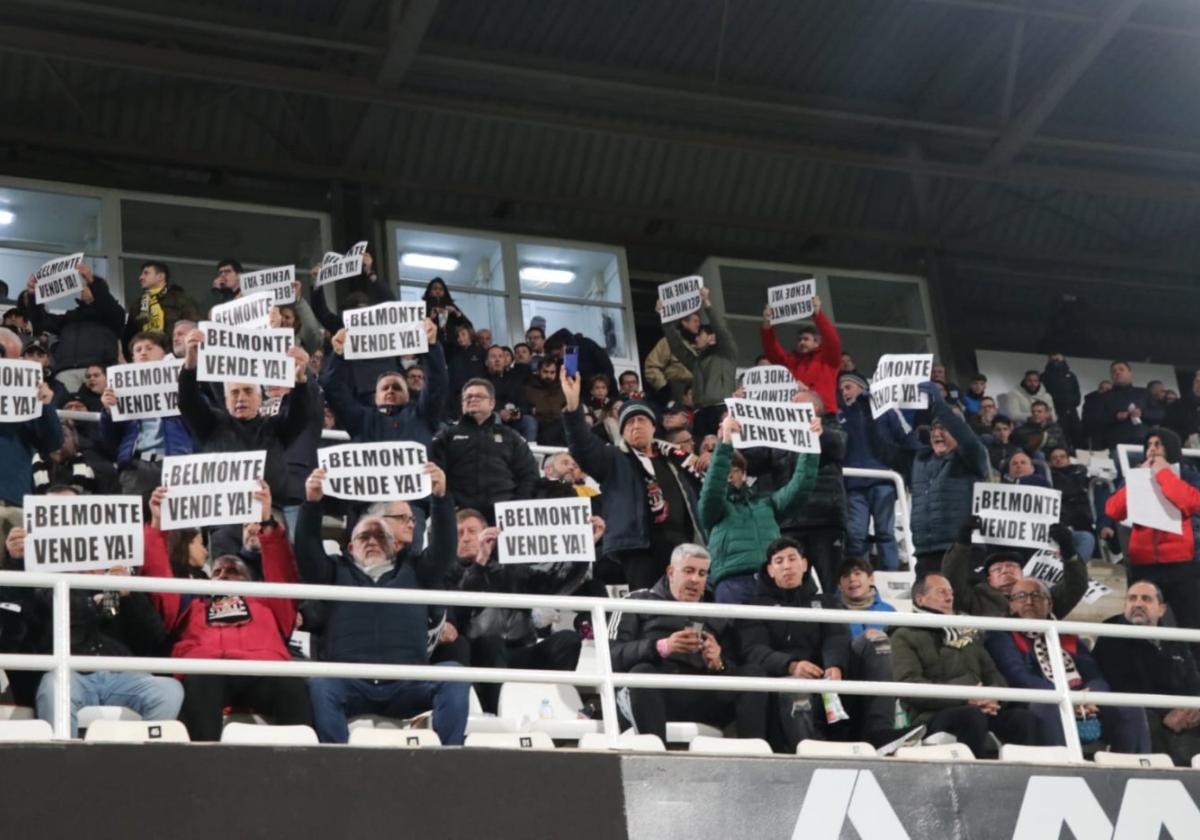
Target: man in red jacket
(817,356)
(231,627)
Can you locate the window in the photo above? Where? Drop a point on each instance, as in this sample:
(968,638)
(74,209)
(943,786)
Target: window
(574,288)
(37,226)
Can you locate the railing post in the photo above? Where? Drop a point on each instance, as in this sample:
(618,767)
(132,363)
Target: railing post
(905,505)
(1066,710)
(608,694)
(62,650)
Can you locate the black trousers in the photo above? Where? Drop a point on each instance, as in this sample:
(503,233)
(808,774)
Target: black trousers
(1013,725)
(559,652)
(653,707)
(642,568)
(205,696)
(929,563)
(824,548)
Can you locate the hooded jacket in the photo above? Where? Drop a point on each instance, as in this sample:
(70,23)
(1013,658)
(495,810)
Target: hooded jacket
(740,522)
(1018,403)
(714,369)
(775,645)
(634,636)
(929,655)
(818,369)
(485,463)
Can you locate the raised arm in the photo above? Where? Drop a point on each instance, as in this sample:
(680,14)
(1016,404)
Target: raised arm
(314,564)
(199,416)
(279,566)
(311,332)
(716,483)
(831,342)
(435,562)
(437,384)
(336,379)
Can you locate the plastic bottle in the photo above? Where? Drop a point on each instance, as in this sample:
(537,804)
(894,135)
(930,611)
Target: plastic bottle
(546,711)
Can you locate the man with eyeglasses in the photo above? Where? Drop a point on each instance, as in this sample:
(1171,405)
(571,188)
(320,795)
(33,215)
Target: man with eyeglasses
(381,555)
(485,461)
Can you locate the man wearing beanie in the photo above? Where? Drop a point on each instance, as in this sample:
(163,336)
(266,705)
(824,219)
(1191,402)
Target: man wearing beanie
(1004,568)
(1161,557)
(647,488)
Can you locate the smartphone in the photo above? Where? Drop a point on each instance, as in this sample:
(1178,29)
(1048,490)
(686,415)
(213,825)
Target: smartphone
(571,360)
(697,626)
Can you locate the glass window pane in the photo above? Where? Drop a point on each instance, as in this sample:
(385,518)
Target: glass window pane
(571,273)
(603,324)
(463,262)
(16,266)
(748,336)
(484,311)
(745,289)
(49,222)
(877,303)
(866,346)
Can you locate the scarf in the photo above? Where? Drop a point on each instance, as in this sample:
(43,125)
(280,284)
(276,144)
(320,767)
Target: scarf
(861,603)
(660,509)
(954,637)
(151,313)
(1041,651)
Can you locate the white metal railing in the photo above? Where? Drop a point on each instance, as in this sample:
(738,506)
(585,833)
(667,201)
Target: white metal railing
(604,679)
(910,551)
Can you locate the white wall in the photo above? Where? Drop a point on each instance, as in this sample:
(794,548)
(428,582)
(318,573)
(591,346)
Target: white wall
(1005,371)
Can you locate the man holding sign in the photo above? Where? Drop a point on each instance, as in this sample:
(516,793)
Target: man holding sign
(817,356)
(711,355)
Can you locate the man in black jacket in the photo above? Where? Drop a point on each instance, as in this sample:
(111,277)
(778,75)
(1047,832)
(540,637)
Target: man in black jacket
(1072,481)
(485,461)
(509,386)
(1063,386)
(673,644)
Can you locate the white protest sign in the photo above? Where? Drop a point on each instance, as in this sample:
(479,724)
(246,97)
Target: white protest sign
(1016,516)
(895,382)
(548,531)
(58,278)
(145,390)
(769,383)
(82,533)
(216,488)
(19,380)
(336,267)
(395,328)
(376,472)
(774,425)
(276,282)
(260,357)
(248,312)
(1147,505)
(1095,591)
(1045,566)
(792,302)
(680,298)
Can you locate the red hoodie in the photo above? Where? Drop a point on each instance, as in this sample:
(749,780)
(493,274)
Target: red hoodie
(232,628)
(1149,546)
(818,369)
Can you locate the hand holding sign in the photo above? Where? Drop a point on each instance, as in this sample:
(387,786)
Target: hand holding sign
(156,503)
(437,479)
(314,485)
(14,544)
(487,542)
(792,301)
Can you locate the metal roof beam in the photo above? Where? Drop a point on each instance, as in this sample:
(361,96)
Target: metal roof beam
(1014,10)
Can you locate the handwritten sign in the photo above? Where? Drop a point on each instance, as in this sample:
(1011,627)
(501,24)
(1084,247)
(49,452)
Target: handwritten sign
(555,530)
(792,302)
(680,298)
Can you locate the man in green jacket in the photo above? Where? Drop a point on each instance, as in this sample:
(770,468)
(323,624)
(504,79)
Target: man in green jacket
(711,356)
(741,523)
(954,656)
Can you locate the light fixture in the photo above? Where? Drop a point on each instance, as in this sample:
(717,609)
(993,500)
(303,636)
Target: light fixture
(541,274)
(7,217)
(431,261)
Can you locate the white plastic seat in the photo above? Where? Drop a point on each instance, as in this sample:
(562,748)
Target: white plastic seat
(1035,755)
(479,721)
(524,701)
(937,752)
(390,737)
(92,714)
(630,741)
(812,748)
(587,657)
(107,730)
(1104,758)
(8,712)
(251,718)
(1196,760)
(721,746)
(510,740)
(25,730)
(249,733)
(683,732)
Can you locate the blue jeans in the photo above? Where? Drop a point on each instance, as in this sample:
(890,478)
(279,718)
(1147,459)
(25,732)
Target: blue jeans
(336,700)
(291,513)
(878,503)
(154,698)
(736,589)
(526,426)
(1085,544)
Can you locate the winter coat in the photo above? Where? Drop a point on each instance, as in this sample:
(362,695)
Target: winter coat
(818,369)
(485,463)
(122,436)
(510,389)
(18,442)
(89,334)
(377,632)
(176,306)
(1100,416)
(662,367)
(593,359)
(1017,404)
(924,655)
(824,506)
(1073,482)
(774,645)
(1147,666)
(714,370)
(136,629)
(546,403)
(1062,384)
(740,522)
(980,598)
(261,634)
(363,373)
(634,636)
(1014,655)
(1150,546)
(462,364)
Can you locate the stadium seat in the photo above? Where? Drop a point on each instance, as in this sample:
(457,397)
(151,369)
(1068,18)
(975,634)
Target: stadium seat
(1104,758)
(479,721)
(25,730)
(682,732)
(91,714)
(1196,761)
(249,733)
(937,752)
(420,721)
(525,701)
(510,740)
(16,712)
(637,743)
(1035,755)
(108,730)
(812,748)
(720,746)
(587,657)
(390,737)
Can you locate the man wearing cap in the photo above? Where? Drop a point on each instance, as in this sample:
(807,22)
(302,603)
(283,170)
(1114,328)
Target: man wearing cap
(1004,568)
(648,488)
(867,499)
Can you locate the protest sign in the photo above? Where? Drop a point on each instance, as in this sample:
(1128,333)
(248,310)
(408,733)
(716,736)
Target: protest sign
(680,298)
(774,425)
(336,267)
(246,312)
(1047,568)
(216,488)
(82,533)
(1148,505)
(376,472)
(19,380)
(395,328)
(895,382)
(260,357)
(58,278)
(1015,516)
(1095,591)
(145,390)
(792,302)
(552,530)
(277,282)
(769,383)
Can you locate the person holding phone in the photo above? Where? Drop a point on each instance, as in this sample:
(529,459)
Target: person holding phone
(710,353)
